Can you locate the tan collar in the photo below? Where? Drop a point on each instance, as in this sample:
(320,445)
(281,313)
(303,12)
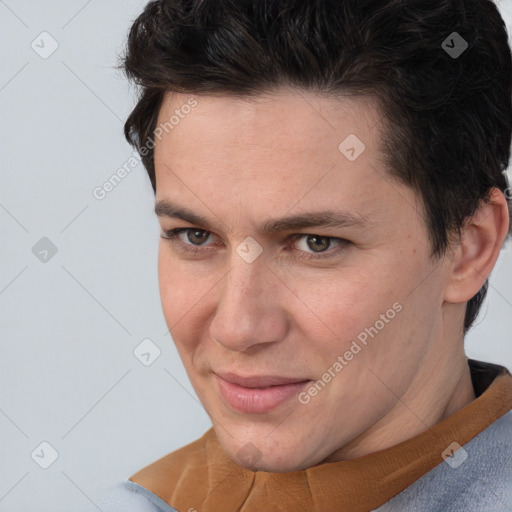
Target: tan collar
(201,476)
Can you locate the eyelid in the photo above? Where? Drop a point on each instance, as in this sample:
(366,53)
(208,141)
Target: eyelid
(297,236)
(173,236)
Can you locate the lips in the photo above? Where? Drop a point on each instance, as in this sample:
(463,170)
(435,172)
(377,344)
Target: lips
(258,382)
(257,394)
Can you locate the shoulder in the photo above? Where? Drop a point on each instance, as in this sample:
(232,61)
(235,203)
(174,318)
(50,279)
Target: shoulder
(480,480)
(127,496)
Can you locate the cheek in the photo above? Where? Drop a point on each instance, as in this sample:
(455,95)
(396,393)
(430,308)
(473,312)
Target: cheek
(170,282)
(180,287)
(184,299)
(341,305)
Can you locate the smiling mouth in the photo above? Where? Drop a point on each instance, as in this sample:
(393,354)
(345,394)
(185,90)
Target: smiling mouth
(257,395)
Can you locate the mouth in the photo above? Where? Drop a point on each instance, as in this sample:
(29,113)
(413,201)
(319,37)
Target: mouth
(257,394)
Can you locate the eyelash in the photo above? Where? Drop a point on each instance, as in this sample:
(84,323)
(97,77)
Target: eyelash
(172,236)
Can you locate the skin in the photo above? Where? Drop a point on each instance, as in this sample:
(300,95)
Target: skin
(240,162)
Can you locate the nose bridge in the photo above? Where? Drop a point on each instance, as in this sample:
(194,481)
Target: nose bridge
(247,312)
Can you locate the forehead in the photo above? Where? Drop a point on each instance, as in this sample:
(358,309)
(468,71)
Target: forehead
(282,150)
(282,117)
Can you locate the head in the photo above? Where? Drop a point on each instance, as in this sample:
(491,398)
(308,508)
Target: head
(370,113)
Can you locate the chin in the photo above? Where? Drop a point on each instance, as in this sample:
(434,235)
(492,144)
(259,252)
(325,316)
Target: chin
(260,454)
(274,441)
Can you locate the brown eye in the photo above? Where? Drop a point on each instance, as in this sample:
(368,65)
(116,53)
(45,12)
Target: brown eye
(318,243)
(190,238)
(197,236)
(317,246)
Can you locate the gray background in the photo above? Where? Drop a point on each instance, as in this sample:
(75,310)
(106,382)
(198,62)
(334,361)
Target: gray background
(70,324)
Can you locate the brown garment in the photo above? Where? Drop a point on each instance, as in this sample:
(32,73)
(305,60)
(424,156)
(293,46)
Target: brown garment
(201,476)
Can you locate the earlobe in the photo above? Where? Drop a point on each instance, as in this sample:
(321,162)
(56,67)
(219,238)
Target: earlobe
(479,247)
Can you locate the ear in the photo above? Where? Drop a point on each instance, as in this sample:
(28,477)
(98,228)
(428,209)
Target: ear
(475,254)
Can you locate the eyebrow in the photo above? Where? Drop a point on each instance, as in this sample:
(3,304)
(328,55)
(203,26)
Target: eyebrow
(323,218)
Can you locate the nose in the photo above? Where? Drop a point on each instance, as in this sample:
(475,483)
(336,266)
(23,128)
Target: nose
(250,310)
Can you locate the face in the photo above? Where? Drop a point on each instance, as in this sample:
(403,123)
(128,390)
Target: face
(299,290)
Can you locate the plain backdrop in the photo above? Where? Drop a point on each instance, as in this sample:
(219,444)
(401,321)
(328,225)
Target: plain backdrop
(78,275)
